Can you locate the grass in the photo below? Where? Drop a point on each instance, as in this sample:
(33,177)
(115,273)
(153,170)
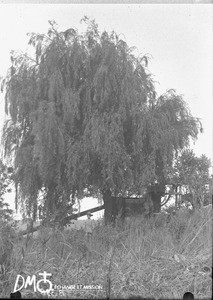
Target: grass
(148,258)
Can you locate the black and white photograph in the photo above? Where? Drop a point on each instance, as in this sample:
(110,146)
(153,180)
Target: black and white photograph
(106,149)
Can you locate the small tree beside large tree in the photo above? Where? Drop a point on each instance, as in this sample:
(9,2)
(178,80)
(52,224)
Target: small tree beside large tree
(192,179)
(85,117)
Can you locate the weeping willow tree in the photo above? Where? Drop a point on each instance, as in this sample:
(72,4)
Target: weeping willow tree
(85,117)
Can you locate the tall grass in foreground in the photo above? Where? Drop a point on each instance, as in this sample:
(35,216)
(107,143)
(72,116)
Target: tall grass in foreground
(148,258)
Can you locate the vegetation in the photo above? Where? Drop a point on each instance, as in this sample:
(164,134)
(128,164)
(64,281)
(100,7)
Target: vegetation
(6,175)
(192,179)
(189,181)
(148,258)
(85,118)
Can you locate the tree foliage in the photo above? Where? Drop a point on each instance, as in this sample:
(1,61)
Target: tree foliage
(192,177)
(85,116)
(5,187)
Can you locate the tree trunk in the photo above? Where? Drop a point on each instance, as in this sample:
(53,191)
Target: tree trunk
(176,198)
(110,207)
(156,200)
(156,192)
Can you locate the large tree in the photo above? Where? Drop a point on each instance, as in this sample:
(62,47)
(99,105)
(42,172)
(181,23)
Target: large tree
(85,117)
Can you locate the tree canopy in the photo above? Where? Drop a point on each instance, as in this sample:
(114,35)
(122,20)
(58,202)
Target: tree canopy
(191,176)
(85,116)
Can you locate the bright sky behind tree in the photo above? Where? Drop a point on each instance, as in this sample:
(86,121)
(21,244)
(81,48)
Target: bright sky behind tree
(178,37)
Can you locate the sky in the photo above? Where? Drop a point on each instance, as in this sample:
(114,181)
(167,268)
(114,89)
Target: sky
(177,36)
